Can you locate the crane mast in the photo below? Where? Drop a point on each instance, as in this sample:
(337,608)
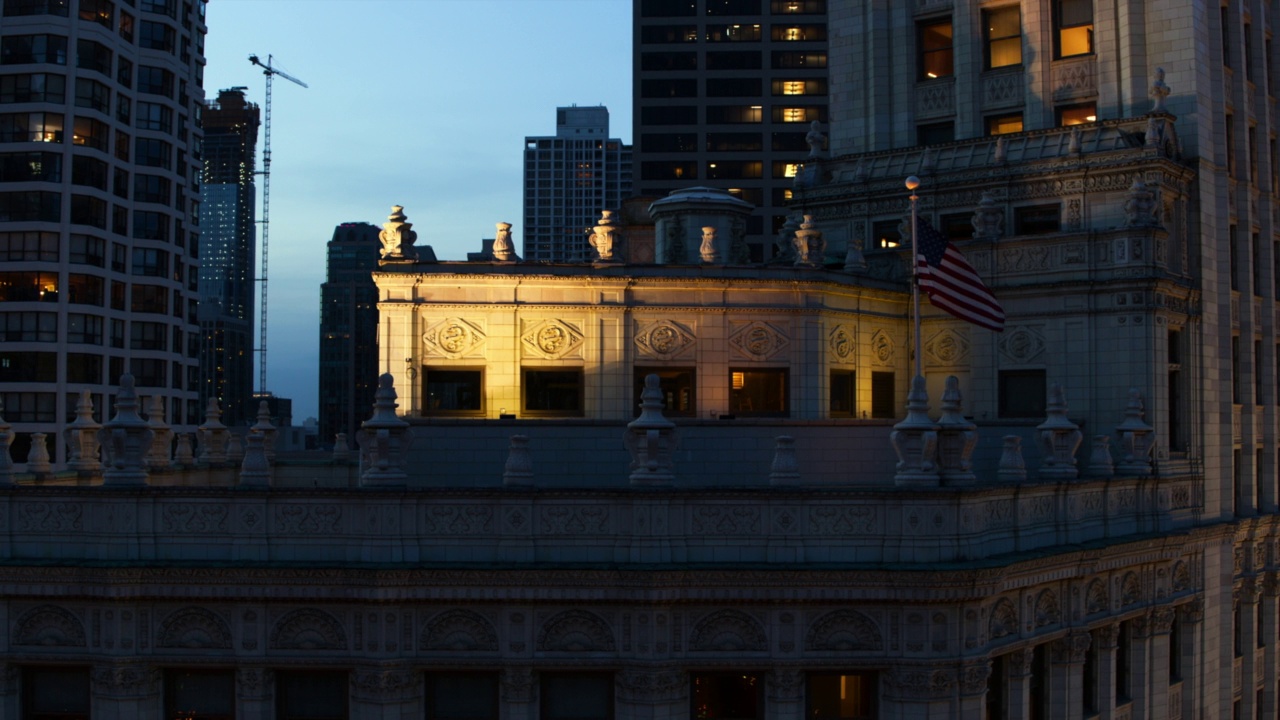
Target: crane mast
(270,72)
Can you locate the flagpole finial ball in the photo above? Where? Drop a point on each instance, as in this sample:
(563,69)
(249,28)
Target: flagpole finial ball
(913,182)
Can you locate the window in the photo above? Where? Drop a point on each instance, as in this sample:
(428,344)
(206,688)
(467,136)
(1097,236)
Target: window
(153,153)
(1235,371)
(935,133)
(802,60)
(885,235)
(733,114)
(84,329)
(798,33)
(203,694)
(30,246)
(669,170)
(85,289)
(841,696)
(799,87)
(124,72)
(664,88)
(88,210)
(150,263)
(33,87)
(1073,25)
(154,116)
(844,402)
(665,34)
(787,142)
(936,53)
(22,49)
(576,696)
(1004,124)
(28,367)
(759,392)
(1255,262)
(150,299)
(90,133)
(733,61)
(733,87)
(1080,114)
(735,142)
(28,327)
(956,226)
(883,404)
(798,7)
(1037,219)
(1174,414)
(31,127)
(311,695)
(802,114)
(99,11)
(462,696)
(52,692)
(1022,394)
(553,392)
(28,287)
(668,8)
(727,696)
(997,689)
(155,81)
(84,368)
(156,36)
(678,386)
(733,33)
(151,188)
(733,7)
(148,335)
(664,61)
(93,56)
(90,172)
(1002,28)
(30,206)
(1124,664)
(669,142)
(734,169)
(1233,250)
(453,391)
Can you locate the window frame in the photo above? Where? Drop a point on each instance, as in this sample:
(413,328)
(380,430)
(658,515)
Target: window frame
(926,53)
(1017,403)
(991,42)
(736,397)
(478,411)
(668,380)
(1060,28)
(527,385)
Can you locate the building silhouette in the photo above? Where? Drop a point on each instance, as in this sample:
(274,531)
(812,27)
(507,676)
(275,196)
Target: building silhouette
(568,179)
(100,107)
(348,330)
(227,255)
(725,92)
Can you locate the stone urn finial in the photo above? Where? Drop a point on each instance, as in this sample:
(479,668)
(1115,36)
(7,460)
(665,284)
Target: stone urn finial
(810,246)
(397,237)
(1059,439)
(503,249)
(518,471)
(651,439)
(255,471)
(604,238)
(708,250)
(1137,438)
(267,430)
(784,470)
(1012,467)
(915,439)
(1140,207)
(384,439)
(213,435)
(1159,91)
(162,437)
(126,439)
(957,437)
(82,437)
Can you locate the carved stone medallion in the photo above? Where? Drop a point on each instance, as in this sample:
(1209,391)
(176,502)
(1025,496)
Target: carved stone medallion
(1021,344)
(664,339)
(842,343)
(946,348)
(552,340)
(882,348)
(757,340)
(454,338)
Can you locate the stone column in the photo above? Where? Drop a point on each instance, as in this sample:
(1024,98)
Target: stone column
(1159,625)
(125,692)
(920,692)
(1191,620)
(1142,669)
(973,689)
(1248,630)
(1066,675)
(386,692)
(10,682)
(784,693)
(1019,664)
(1267,596)
(519,696)
(255,692)
(652,693)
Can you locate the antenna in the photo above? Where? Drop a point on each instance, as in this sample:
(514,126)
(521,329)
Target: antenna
(270,71)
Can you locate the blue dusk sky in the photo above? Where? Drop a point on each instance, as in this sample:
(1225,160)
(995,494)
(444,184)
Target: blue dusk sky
(421,103)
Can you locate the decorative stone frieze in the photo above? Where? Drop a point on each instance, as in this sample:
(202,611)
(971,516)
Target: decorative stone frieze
(664,339)
(459,631)
(974,678)
(255,682)
(920,683)
(552,340)
(517,685)
(842,344)
(454,338)
(785,684)
(1073,648)
(383,683)
(757,340)
(652,686)
(728,631)
(125,680)
(576,631)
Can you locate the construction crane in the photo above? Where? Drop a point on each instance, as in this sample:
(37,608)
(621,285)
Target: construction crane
(270,71)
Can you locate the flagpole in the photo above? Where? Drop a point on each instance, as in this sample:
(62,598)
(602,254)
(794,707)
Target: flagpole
(912,183)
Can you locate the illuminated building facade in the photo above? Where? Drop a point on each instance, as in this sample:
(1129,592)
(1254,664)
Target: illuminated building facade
(725,92)
(568,178)
(227,239)
(100,139)
(348,330)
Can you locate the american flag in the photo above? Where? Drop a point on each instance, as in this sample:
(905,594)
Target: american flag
(951,282)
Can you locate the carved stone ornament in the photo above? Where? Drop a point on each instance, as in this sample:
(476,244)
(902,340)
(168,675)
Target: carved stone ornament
(1140,206)
(988,218)
(194,628)
(1072,648)
(1162,620)
(728,631)
(308,629)
(1004,619)
(503,249)
(384,683)
(454,338)
(664,339)
(974,677)
(1130,590)
(785,684)
(652,686)
(1180,578)
(920,683)
(842,343)
(1192,612)
(576,631)
(604,238)
(1021,662)
(883,348)
(125,680)
(915,440)
(1096,600)
(459,631)
(397,237)
(810,245)
(946,348)
(254,682)
(651,439)
(82,436)
(125,439)
(758,341)
(517,685)
(552,340)
(844,631)
(1021,344)
(1059,438)
(48,626)
(957,438)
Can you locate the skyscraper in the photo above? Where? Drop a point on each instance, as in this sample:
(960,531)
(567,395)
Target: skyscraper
(568,179)
(101,134)
(227,255)
(724,94)
(348,331)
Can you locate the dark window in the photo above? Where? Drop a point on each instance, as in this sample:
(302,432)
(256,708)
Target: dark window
(28,367)
(733,114)
(124,109)
(50,693)
(883,387)
(669,142)
(788,142)
(935,133)
(679,392)
(1124,663)
(680,115)
(661,61)
(798,7)
(936,51)
(668,8)
(663,88)
(84,368)
(1079,114)
(199,694)
(160,7)
(733,87)
(88,210)
(1002,31)
(735,142)
(156,36)
(1022,393)
(734,170)
(155,81)
(759,392)
(841,696)
(150,299)
(1255,263)
(1037,219)
(553,392)
(85,289)
(30,206)
(29,327)
(151,188)
(40,407)
(957,226)
(31,246)
(1233,251)
(1004,124)
(733,60)
(149,372)
(124,72)
(727,696)
(733,7)
(462,696)
(1038,684)
(154,116)
(669,170)
(844,401)
(734,33)
(148,336)
(84,329)
(452,391)
(665,34)
(798,33)
(33,87)
(88,171)
(22,49)
(153,153)
(93,56)
(1073,25)
(1235,372)
(997,689)
(37,166)
(148,262)
(801,59)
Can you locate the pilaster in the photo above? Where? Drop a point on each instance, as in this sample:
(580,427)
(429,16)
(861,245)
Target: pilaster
(386,692)
(1066,676)
(653,693)
(125,691)
(519,695)
(255,692)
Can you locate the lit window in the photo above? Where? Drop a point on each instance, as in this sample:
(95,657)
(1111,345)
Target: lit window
(936,52)
(794,114)
(793,87)
(1077,114)
(848,696)
(1003,28)
(759,393)
(1004,124)
(1073,25)
(791,169)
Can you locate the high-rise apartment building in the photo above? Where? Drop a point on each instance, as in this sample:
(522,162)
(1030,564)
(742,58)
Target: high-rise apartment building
(100,136)
(227,251)
(725,92)
(568,179)
(349,331)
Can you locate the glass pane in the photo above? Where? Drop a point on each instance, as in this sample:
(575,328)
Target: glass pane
(726,697)
(577,697)
(758,392)
(454,390)
(203,695)
(1075,41)
(1006,52)
(841,697)
(462,696)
